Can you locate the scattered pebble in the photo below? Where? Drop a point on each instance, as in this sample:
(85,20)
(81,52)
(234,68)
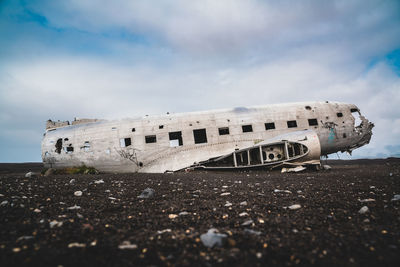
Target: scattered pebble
(213,238)
(55,223)
(76,245)
(78,193)
(127,245)
(72,181)
(252,232)
(4,203)
(247,223)
(30,175)
(25,237)
(243,214)
(295,207)
(363,210)
(75,207)
(99,181)
(183,213)
(282,191)
(172,216)
(244,203)
(396,198)
(367,200)
(228,204)
(147,193)
(37,210)
(225,194)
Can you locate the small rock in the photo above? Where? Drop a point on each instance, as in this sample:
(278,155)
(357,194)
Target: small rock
(282,191)
(30,175)
(55,224)
(172,216)
(78,193)
(252,232)
(295,207)
(75,207)
(183,213)
(164,231)
(99,181)
(127,245)
(76,245)
(243,214)
(213,238)
(228,204)
(367,200)
(37,210)
(225,194)
(25,237)
(72,181)
(4,203)
(147,193)
(112,198)
(363,210)
(247,223)
(396,198)
(244,203)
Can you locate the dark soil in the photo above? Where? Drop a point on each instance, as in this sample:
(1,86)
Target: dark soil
(327,230)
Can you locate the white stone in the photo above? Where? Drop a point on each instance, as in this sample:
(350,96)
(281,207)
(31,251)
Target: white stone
(295,207)
(363,210)
(78,193)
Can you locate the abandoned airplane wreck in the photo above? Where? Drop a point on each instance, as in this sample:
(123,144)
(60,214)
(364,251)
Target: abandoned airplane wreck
(238,138)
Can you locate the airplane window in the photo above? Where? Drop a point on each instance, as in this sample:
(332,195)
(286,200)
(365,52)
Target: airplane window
(269,125)
(312,122)
(291,124)
(124,142)
(175,139)
(223,130)
(59,146)
(200,136)
(247,128)
(150,139)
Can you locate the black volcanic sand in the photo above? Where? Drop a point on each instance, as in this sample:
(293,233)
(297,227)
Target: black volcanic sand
(327,230)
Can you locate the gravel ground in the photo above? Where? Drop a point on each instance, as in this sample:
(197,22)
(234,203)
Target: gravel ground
(44,221)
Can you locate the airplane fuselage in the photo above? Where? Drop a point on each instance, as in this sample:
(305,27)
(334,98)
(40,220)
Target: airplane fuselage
(175,141)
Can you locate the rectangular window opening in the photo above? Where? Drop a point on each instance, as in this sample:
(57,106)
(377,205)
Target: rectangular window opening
(339,114)
(223,130)
(150,139)
(291,124)
(161,127)
(133,129)
(124,142)
(175,139)
(312,122)
(269,126)
(200,136)
(247,128)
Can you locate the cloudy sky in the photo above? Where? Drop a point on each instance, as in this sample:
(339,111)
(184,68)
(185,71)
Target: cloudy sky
(113,59)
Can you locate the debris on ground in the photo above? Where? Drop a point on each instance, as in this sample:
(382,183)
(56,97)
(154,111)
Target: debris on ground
(296,169)
(127,245)
(213,238)
(147,193)
(295,207)
(363,210)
